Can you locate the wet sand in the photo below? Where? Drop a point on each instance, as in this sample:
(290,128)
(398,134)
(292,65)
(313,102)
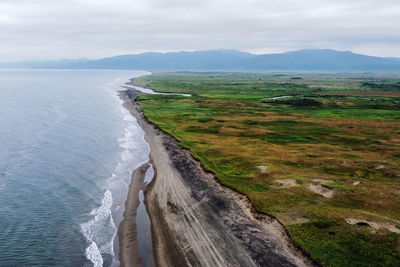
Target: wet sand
(127,229)
(198,222)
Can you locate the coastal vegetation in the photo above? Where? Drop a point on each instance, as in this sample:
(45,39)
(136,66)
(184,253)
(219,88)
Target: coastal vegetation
(321,152)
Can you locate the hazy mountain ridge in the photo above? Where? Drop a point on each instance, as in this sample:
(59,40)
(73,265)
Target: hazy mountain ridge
(308,59)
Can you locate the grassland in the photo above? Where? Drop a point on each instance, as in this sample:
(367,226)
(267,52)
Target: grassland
(324,159)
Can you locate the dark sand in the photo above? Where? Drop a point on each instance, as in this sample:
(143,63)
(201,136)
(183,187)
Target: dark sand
(198,222)
(127,234)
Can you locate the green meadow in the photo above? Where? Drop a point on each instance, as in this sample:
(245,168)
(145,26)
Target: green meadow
(321,152)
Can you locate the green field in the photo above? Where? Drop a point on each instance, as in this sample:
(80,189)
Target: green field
(324,159)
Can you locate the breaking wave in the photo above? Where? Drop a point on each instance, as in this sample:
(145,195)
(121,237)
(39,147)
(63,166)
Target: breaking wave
(101,230)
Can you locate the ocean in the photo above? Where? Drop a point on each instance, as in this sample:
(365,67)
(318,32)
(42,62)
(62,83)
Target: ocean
(67,151)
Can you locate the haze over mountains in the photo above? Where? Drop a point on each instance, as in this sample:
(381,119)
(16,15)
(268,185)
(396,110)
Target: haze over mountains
(307,60)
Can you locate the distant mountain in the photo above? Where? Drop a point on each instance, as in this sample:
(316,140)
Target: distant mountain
(394,58)
(215,59)
(324,60)
(309,60)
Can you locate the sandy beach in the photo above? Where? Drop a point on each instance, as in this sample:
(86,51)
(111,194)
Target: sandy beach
(127,231)
(195,220)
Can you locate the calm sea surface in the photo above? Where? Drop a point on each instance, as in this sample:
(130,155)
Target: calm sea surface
(67,149)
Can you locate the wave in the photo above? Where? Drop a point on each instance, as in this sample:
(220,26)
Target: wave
(94,255)
(100,231)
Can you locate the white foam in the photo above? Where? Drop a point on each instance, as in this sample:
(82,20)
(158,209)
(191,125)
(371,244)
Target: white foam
(100,231)
(129,118)
(94,255)
(105,206)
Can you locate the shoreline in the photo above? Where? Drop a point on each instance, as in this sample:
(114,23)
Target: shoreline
(127,229)
(166,251)
(197,220)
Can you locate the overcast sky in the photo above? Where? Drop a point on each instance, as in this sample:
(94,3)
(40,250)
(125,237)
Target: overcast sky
(52,29)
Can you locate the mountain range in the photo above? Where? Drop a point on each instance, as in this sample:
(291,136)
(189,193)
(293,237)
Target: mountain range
(301,60)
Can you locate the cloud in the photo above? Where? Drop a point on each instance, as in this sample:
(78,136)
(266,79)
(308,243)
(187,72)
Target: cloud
(48,29)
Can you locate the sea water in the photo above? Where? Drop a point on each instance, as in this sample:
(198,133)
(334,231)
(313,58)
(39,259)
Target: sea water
(67,151)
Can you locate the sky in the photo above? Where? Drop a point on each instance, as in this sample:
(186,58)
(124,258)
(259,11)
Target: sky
(55,29)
